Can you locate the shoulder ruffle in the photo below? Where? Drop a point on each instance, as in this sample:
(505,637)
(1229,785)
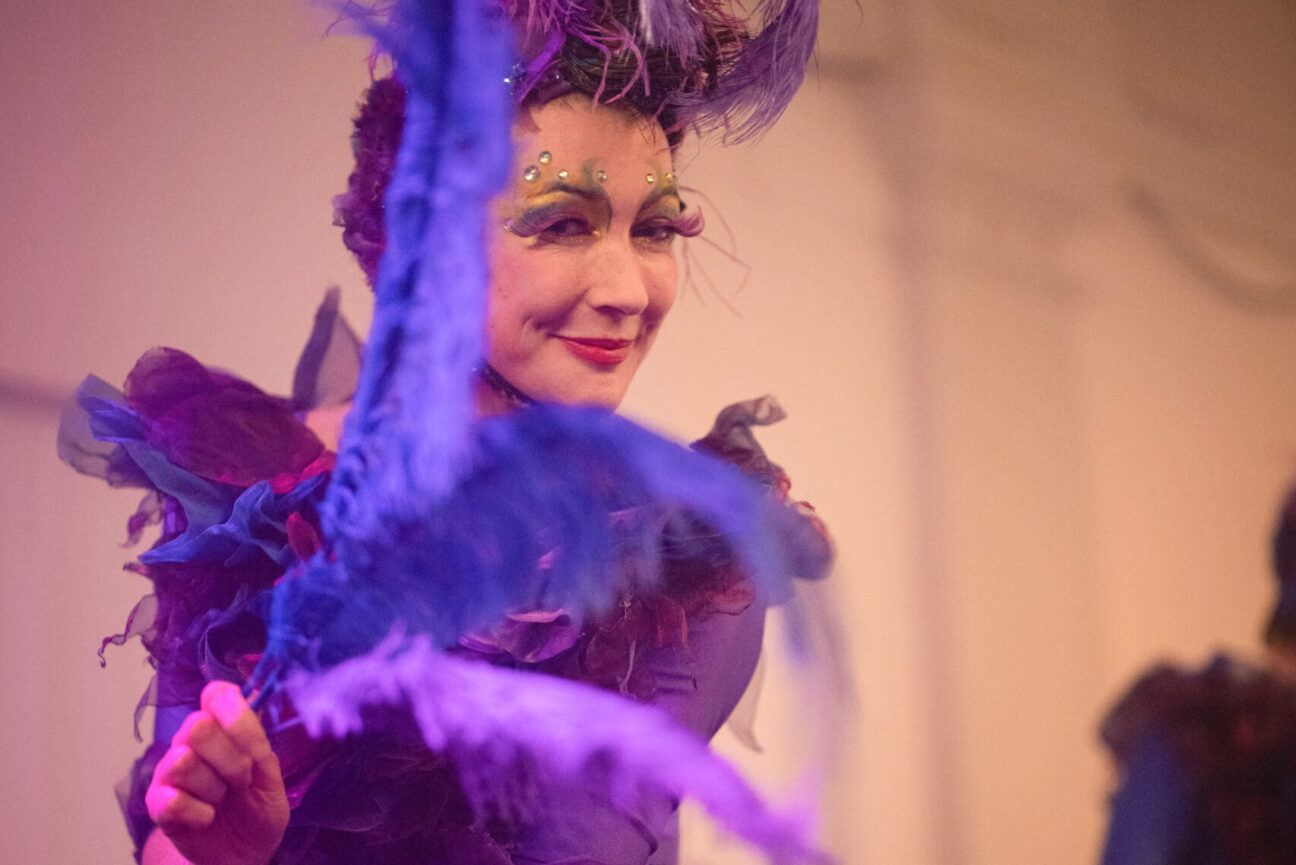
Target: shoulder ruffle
(1231,728)
(1225,713)
(733,440)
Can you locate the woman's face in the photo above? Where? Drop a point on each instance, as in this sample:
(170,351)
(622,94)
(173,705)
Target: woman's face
(583,269)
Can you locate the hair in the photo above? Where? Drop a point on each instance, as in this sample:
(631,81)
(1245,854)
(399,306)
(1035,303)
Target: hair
(374,141)
(1281,630)
(607,62)
(687,65)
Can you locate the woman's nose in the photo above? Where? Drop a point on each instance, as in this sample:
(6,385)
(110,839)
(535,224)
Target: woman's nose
(618,285)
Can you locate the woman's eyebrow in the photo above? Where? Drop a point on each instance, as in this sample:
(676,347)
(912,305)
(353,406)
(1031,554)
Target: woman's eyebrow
(593,193)
(596,194)
(658,194)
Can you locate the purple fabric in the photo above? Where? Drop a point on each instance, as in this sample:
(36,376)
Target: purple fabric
(698,685)
(1207,762)
(687,648)
(83,450)
(526,746)
(329,365)
(528,637)
(217,426)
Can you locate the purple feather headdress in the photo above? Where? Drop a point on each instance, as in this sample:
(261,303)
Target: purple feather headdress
(691,64)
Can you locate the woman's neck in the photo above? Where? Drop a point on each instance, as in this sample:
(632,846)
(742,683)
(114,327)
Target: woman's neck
(496,395)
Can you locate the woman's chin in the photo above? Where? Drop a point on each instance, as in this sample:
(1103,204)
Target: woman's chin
(605,394)
(601,388)
(590,396)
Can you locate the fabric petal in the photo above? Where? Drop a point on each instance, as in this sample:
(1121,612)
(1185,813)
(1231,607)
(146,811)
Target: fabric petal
(214,424)
(329,366)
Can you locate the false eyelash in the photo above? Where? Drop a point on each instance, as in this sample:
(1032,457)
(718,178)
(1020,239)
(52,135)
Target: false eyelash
(532,222)
(690,223)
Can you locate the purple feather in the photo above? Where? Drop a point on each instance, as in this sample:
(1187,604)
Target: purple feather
(755,87)
(675,26)
(730,76)
(543,486)
(512,733)
(359,210)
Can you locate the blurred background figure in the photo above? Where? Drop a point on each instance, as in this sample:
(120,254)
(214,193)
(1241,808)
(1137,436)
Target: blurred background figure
(1207,758)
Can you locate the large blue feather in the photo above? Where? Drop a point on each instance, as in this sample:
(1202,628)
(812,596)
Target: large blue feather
(436,523)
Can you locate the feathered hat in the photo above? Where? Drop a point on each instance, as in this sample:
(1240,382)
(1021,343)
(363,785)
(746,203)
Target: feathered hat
(691,64)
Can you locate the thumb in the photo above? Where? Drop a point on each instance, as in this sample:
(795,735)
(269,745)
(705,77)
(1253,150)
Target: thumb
(225,703)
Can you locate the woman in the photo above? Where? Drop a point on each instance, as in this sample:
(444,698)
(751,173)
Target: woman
(1207,757)
(582,273)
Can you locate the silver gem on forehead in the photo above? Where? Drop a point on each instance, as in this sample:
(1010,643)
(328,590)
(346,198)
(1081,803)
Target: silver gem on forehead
(670,178)
(531,174)
(601,177)
(545,157)
(650,177)
(562,174)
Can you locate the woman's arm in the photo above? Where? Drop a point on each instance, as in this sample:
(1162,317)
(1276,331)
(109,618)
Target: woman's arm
(217,795)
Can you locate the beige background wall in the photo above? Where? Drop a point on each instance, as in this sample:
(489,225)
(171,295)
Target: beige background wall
(1022,273)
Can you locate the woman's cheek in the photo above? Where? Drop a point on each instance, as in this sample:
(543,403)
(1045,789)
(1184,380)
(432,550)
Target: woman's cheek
(665,283)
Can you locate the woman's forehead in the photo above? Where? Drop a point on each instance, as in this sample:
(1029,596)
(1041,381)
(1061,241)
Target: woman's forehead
(575,129)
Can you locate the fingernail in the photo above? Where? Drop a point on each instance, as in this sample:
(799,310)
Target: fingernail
(226,702)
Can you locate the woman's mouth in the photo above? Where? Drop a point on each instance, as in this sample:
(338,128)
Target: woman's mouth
(604,352)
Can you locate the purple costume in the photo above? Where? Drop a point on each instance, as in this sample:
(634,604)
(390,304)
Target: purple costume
(1207,764)
(385,600)
(200,440)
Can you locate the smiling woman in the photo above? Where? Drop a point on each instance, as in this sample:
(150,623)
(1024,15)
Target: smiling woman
(584,272)
(443,637)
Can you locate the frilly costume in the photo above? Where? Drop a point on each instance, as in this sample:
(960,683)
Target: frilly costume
(1207,762)
(235,477)
(424,612)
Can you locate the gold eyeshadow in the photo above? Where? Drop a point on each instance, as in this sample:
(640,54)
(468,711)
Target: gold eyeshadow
(565,196)
(533,220)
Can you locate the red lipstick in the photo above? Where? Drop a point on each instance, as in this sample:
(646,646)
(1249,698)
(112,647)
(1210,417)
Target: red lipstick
(604,352)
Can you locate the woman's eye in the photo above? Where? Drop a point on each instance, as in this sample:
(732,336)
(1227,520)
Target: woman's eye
(570,226)
(656,232)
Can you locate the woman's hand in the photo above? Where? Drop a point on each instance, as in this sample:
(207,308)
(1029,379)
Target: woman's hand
(218,794)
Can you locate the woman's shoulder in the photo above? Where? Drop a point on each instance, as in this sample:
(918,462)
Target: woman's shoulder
(1228,710)
(232,475)
(732,439)
(211,424)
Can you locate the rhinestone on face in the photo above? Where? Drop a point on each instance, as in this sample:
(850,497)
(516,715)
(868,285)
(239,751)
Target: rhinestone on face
(545,157)
(601,177)
(651,178)
(562,174)
(670,178)
(531,174)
